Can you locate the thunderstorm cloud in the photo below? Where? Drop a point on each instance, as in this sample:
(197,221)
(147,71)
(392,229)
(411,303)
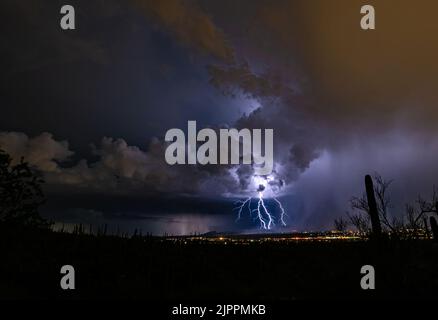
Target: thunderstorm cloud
(342,102)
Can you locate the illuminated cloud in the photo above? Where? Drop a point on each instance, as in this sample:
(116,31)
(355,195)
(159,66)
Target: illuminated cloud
(41,151)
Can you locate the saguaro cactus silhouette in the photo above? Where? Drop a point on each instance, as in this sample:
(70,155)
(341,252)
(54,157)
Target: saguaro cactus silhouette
(372,205)
(434,227)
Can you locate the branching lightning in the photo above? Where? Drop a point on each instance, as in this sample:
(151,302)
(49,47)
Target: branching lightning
(267,213)
(240,205)
(283,213)
(262,214)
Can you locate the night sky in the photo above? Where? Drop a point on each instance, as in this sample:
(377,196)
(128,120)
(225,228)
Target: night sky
(89,107)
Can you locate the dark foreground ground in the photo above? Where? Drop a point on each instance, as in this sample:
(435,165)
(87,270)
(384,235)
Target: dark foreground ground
(111,267)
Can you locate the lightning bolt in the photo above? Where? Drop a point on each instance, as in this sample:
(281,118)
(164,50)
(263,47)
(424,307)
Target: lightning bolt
(283,213)
(241,205)
(267,213)
(260,216)
(263,215)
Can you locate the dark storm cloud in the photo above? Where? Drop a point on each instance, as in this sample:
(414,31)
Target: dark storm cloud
(345,74)
(48,44)
(189,24)
(351,95)
(248,82)
(134,207)
(353,82)
(108,77)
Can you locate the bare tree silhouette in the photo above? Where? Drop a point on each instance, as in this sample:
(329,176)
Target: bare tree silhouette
(341,224)
(422,208)
(412,223)
(383,202)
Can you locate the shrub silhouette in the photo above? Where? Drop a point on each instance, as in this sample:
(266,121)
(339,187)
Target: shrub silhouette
(20,194)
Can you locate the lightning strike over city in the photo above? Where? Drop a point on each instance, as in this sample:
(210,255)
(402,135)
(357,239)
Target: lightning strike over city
(219,158)
(261,212)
